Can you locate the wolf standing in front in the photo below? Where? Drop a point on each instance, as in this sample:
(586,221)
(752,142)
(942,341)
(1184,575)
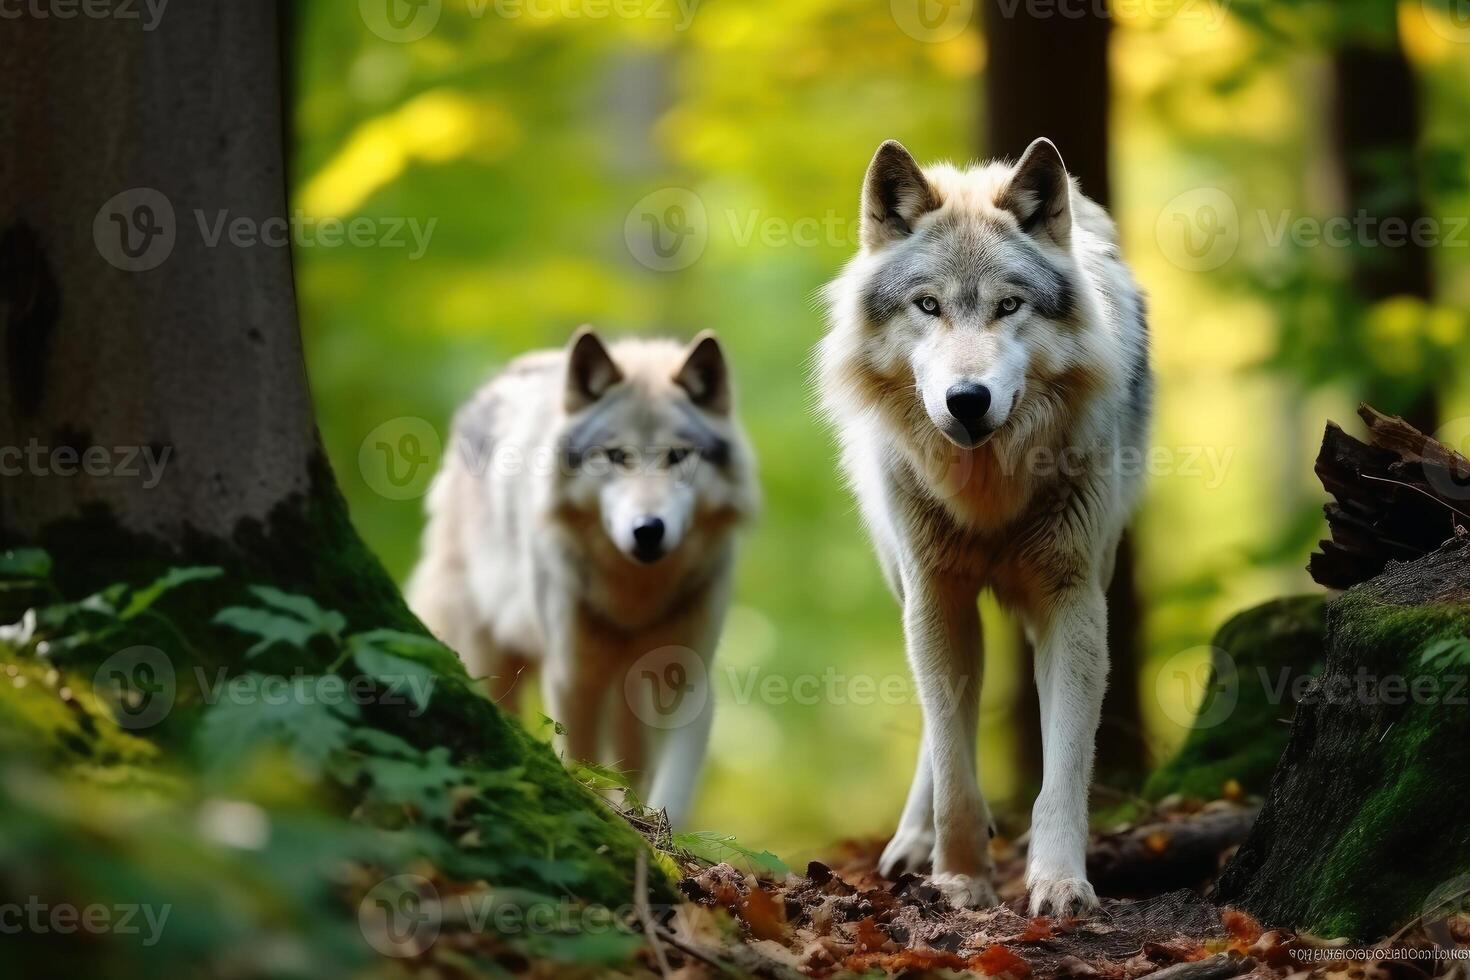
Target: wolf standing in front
(987,374)
(585,519)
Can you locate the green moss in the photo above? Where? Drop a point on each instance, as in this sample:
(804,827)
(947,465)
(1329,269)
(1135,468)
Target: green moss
(1365,818)
(1259,654)
(50,715)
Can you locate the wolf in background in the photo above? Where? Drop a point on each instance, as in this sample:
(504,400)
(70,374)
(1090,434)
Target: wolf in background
(986,373)
(584,521)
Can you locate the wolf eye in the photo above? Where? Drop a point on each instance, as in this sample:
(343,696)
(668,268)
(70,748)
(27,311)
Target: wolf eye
(1009,305)
(618,456)
(928,304)
(677,456)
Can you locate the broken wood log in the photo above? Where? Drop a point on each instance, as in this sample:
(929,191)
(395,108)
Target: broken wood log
(1163,856)
(1397,497)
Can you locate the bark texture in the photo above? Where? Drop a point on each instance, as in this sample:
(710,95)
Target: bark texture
(1365,820)
(127,147)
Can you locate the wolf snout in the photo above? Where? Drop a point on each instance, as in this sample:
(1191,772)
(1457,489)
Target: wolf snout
(648,539)
(969,403)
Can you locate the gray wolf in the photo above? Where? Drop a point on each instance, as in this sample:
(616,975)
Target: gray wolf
(583,521)
(986,373)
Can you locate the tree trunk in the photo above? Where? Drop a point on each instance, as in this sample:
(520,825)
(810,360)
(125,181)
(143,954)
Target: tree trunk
(137,340)
(1376,134)
(1030,92)
(119,143)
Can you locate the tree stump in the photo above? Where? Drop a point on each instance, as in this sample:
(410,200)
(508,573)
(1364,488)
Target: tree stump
(1366,818)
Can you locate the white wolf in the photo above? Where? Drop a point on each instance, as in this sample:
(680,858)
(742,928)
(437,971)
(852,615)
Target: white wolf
(986,372)
(584,519)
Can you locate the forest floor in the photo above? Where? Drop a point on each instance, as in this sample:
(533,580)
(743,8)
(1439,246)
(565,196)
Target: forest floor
(841,918)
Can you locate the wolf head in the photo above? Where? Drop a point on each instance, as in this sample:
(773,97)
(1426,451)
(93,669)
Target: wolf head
(966,305)
(650,445)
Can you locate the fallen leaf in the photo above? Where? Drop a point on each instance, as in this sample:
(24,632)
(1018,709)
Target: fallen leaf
(763,915)
(998,960)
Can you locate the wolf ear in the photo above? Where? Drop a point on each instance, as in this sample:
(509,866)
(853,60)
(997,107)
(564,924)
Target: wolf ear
(1040,193)
(590,370)
(705,375)
(895,195)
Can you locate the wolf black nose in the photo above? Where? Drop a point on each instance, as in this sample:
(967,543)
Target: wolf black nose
(648,538)
(968,402)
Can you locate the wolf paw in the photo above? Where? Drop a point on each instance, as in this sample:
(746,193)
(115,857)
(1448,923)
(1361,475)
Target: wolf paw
(1061,898)
(966,891)
(909,852)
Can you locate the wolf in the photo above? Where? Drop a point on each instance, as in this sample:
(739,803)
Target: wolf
(584,523)
(986,372)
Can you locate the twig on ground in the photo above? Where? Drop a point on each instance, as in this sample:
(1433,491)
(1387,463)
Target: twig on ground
(1221,966)
(645,914)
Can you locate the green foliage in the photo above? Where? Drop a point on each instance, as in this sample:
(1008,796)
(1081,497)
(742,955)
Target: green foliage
(717,848)
(344,742)
(1446,653)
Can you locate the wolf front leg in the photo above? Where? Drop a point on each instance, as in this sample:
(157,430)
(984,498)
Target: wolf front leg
(912,846)
(1071,678)
(942,632)
(681,758)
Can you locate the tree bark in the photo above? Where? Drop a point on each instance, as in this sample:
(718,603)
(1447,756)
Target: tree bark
(1364,821)
(1030,92)
(119,141)
(1376,135)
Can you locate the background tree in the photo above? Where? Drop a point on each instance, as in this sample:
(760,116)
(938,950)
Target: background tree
(1031,92)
